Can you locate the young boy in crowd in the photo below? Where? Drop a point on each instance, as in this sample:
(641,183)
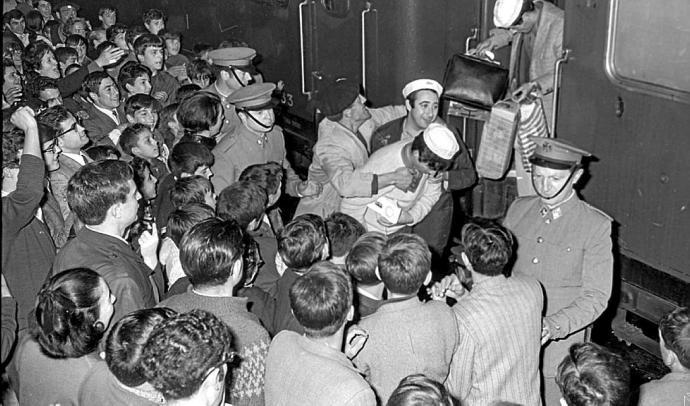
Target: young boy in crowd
(211,256)
(310,368)
(134,78)
(149,50)
(343,231)
(200,73)
(192,189)
(154,21)
(101,152)
(175,62)
(107,15)
(406,336)
(201,50)
(66,56)
(302,243)
(137,141)
(362,263)
(674,343)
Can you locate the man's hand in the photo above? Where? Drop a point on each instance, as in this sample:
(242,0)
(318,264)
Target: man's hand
(524,90)
(109,56)
(148,244)
(309,188)
(160,95)
(449,286)
(179,72)
(405,218)
(354,341)
(402,178)
(23,118)
(13,95)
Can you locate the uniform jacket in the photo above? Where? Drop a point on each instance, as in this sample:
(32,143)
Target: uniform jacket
(568,250)
(300,371)
(232,121)
(132,282)
(339,156)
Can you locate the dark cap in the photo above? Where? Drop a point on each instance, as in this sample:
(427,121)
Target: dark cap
(337,96)
(257,96)
(556,154)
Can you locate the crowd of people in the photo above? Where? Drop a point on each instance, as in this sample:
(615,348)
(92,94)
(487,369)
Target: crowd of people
(145,259)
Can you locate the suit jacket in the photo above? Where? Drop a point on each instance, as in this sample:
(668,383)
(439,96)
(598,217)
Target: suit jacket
(58,183)
(98,124)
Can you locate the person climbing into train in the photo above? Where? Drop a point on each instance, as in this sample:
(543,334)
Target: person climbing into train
(566,245)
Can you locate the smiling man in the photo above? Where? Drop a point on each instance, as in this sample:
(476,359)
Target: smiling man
(105,120)
(565,244)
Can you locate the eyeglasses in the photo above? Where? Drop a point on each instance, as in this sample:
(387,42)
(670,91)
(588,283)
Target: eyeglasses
(72,128)
(51,148)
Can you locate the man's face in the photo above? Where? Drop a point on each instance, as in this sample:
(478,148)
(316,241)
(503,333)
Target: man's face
(69,61)
(108,18)
(548,182)
(147,146)
(152,58)
(173,46)
(108,96)
(359,111)
(146,116)
(51,151)
(155,26)
(11,79)
(73,136)
(237,79)
(265,117)
(51,97)
(425,109)
(141,85)
(45,9)
(49,66)
(130,207)
(17,26)
(81,52)
(67,13)
(79,28)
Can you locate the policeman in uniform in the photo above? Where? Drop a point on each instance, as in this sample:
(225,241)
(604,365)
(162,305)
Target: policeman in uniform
(565,244)
(235,70)
(257,140)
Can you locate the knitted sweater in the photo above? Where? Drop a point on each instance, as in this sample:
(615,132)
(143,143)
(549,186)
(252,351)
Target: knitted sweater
(250,340)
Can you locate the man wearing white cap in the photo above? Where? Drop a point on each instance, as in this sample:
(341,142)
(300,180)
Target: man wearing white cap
(428,156)
(535,30)
(422,101)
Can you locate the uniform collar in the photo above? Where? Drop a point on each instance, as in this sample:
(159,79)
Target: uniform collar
(556,211)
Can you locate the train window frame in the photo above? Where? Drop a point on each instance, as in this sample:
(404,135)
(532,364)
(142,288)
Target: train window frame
(618,76)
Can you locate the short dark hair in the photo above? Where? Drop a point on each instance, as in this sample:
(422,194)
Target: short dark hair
(140,101)
(74,40)
(41,83)
(343,231)
(184,218)
(96,187)
(63,53)
(593,375)
(126,340)
(191,189)
(182,350)
(428,157)
(267,176)
(199,69)
(67,311)
(93,81)
(114,30)
(675,329)
(243,202)
(404,263)
(185,91)
(130,137)
(10,15)
(53,116)
(152,14)
(199,112)
(488,246)
(34,21)
(101,152)
(418,389)
(363,258)
(187,157)
(130,72)
(167,34)
(201,47)
(209,250)
(33,55)
(107,8)
(321,299)
(134,32)
(301,242)
(145,41)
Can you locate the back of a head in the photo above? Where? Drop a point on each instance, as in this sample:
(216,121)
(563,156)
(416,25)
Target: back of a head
(243,202)
(302,242)
(182,350)
(95,187)
(192,189)
(591,375)
(343,231)
(199,111)
(183,219)
(404,263)
(488,246)
(126,341)
(419,390)
(675,330)
(363,258)
(210,250)
(268,176)
(187,157)
(321,299)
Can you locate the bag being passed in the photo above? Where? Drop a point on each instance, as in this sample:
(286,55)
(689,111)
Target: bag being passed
(474,81)
(498,136)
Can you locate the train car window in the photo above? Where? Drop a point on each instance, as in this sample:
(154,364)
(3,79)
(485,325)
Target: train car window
(648,47)
(336,8)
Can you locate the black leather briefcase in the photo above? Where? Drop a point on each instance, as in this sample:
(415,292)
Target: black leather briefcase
(475,82)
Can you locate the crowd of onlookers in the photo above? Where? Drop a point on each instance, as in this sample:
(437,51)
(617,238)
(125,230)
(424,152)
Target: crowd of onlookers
(145,260)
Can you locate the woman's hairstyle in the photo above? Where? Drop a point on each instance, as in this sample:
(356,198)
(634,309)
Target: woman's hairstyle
(67,311)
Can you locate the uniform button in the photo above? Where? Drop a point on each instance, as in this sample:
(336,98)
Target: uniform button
(540,240)
(535,260)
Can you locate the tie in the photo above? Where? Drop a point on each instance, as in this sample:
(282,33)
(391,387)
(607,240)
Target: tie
(117,118)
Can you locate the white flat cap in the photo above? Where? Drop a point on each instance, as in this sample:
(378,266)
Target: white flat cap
(420,84)
(506,12)
(441,141)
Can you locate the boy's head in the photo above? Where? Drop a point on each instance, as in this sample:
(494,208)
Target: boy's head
(154,21)
(211,253)
(201,50)
(185,91)
(172,41)
(303,242)
(107,15)
(405,264)
(268,176)
(46,90)
(77,42)
(243,202)
(66,56)
(133,34)
(102,152)
(137,140)
(97,37)
(593,375)
(142,109)
(149,49)
(102,90)
(192,189)
(418,389)
(183,219)
(363,260)
(487,246)
(117,34)
(343,231)
(200,73)
(189,159)
(134,78)
(321,300)
(674,334)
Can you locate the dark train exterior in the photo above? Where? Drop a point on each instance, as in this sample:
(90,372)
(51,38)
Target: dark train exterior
(625,95)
